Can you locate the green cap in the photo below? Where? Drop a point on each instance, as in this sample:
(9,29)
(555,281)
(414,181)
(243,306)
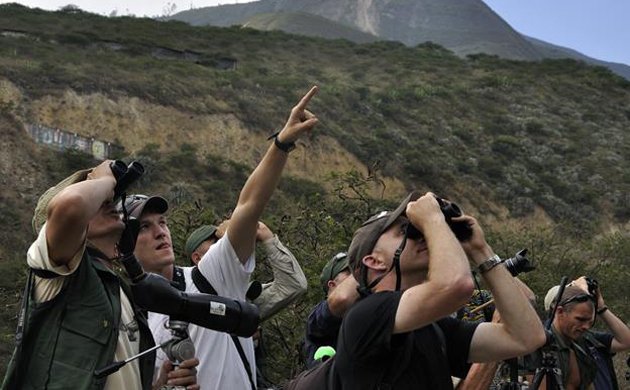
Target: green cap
(200,235)
(336,265)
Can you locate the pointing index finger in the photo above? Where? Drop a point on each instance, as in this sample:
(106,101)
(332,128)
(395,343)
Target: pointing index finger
(307,98)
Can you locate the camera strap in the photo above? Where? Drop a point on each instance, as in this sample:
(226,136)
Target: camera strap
(204,286)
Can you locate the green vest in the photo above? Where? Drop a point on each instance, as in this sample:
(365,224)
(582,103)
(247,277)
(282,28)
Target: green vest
(75,333)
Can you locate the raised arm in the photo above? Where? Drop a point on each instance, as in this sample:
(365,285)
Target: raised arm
(520,331)
(448,285)
(263,181)
(289,281)
(70,211)
(619,330)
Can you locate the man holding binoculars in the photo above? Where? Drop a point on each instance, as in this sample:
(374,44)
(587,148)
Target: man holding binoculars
(78,314)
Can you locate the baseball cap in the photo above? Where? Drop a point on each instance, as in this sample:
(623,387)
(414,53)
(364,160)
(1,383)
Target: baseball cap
(333,267)
(366,236)
(41,210)
(137,204)
(551,296)
(200,235)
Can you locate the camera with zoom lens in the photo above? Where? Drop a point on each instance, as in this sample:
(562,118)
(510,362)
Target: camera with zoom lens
(519,263)
(180,347)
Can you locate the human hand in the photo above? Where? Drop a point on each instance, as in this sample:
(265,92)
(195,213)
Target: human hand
(300,120)
(183,375)
(582,282)
(263,233)
(476,248)
(222,228)
(103,170)
(423,211)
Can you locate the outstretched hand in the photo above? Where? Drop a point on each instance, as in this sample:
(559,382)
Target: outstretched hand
(300,121)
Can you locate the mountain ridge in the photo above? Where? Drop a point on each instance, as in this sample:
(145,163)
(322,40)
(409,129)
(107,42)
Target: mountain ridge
(463,26)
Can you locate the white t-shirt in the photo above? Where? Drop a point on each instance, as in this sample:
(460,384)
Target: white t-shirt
(220,366)
(128,377)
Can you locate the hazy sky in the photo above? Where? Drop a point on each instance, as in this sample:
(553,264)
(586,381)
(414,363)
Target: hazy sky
(597,28)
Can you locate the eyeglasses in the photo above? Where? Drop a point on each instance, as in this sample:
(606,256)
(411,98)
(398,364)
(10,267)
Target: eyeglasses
(581,298)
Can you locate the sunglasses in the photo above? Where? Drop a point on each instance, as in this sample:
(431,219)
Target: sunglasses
(581,298)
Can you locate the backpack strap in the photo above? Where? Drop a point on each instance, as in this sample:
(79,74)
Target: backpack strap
(179,282)
(204,286)
(202,283)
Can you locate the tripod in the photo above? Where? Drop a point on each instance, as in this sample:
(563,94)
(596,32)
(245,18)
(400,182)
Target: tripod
(550,371)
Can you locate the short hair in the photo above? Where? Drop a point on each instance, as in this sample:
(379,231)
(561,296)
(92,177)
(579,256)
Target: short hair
(574,295)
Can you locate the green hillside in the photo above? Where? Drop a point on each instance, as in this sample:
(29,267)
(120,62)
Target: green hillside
(539,150)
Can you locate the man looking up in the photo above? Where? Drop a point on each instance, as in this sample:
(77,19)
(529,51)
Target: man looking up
(81,315)
(400,334)
(225,363)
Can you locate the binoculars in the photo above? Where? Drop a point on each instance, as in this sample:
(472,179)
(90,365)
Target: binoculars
(125,176)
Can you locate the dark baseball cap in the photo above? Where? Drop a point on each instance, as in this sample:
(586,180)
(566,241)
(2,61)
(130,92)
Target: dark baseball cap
(200,235)
(333,267)
(366,236)
(138,204)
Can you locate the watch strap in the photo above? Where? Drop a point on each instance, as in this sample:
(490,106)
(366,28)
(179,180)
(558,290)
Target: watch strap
(284,146)
(488,264)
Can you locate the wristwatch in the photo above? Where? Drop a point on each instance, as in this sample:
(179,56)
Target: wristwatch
(487,265)
(284,146)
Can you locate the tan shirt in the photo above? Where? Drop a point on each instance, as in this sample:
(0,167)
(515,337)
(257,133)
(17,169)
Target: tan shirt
(128,377)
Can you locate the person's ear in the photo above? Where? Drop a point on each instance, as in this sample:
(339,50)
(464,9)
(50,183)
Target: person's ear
(374,263)
(331,284)
(195,257)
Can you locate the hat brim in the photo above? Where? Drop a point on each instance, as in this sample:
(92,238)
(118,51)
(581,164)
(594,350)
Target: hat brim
(155,204)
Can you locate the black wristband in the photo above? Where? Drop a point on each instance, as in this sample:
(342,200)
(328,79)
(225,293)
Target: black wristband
(284,146)
(602,310)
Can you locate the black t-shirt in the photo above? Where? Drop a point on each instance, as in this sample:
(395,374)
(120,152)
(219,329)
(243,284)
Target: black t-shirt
(369,356)
(605,378)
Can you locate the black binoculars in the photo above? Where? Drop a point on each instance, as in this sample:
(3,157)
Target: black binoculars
(125,176)
(462,231)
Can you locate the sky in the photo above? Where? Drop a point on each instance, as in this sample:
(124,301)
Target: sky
(596,28)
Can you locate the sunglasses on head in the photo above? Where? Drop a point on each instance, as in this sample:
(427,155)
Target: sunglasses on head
(581,298)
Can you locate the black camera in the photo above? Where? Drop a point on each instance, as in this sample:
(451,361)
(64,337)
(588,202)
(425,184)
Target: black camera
(519,263)
(462,230)
(125,176)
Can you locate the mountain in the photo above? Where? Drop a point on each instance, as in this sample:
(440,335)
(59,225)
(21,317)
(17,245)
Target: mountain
(549,50)
(462,26)
(307,24)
